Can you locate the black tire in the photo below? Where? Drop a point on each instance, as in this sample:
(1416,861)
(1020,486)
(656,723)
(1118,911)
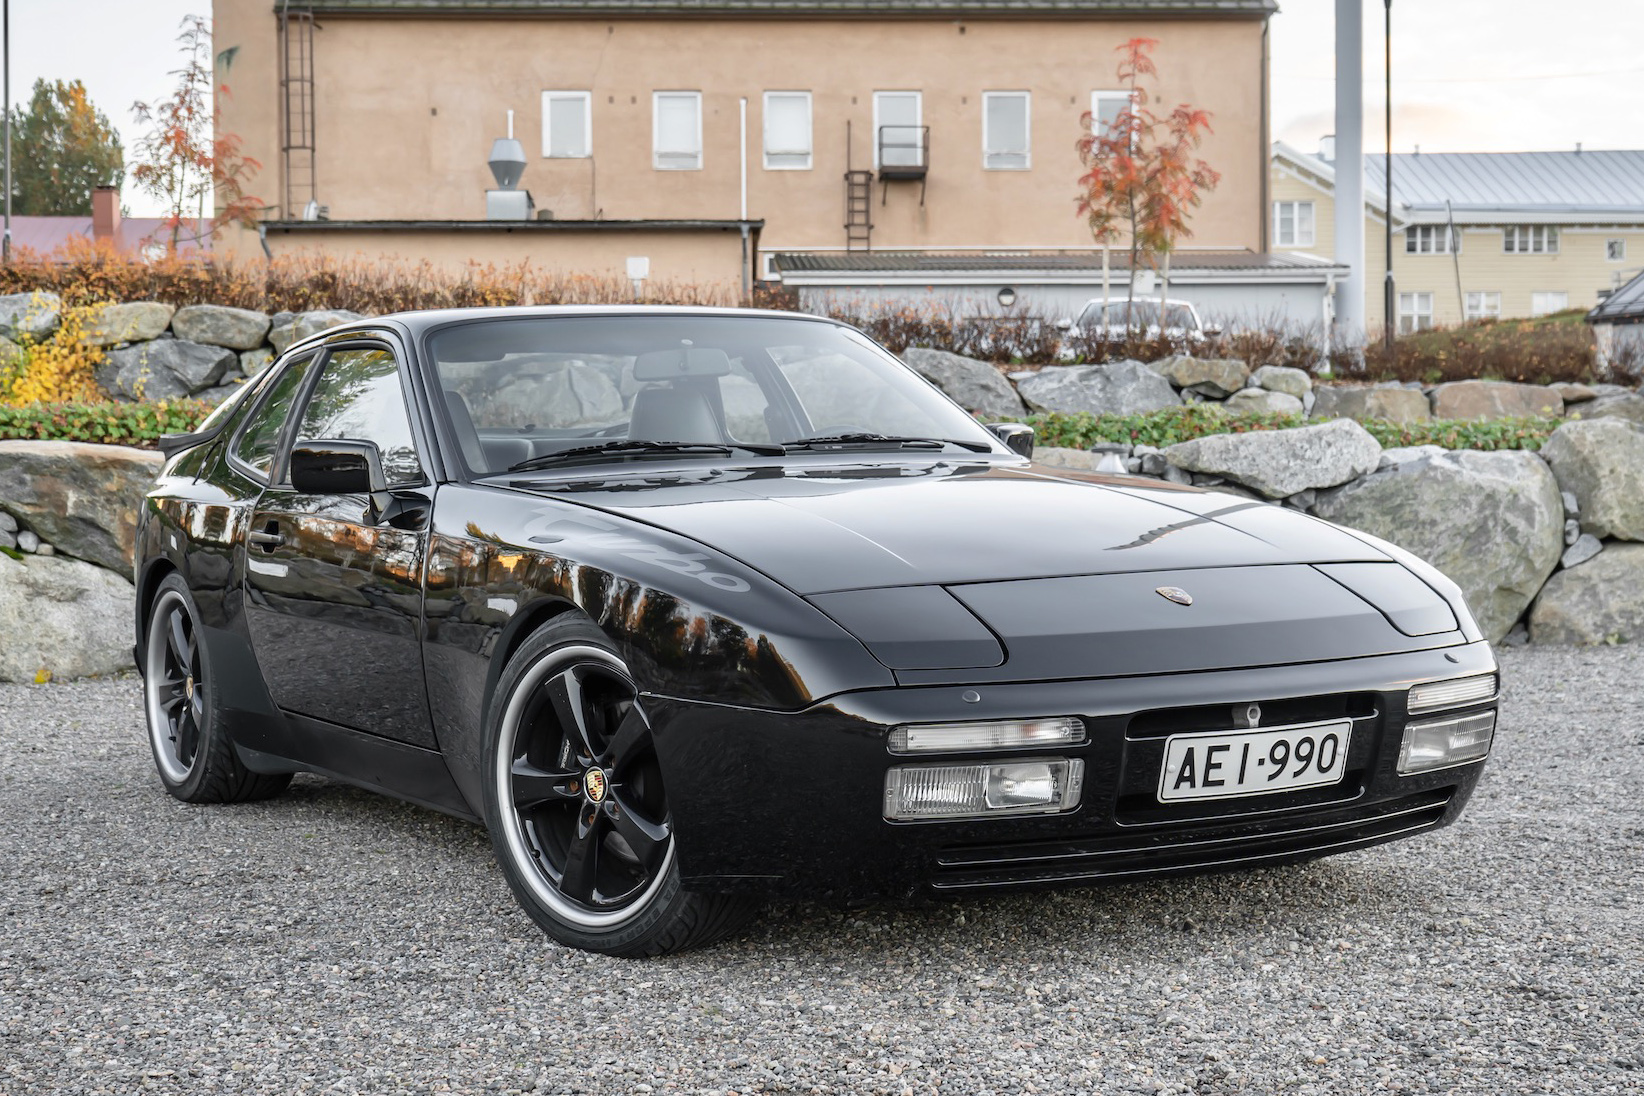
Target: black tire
(576,807)
(192,752)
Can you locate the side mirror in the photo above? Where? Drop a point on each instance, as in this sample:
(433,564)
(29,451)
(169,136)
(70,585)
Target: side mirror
(337,467)
(1018,437)
(1213,329)
(1064,325)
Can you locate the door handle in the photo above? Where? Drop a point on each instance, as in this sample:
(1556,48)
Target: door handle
(267,538)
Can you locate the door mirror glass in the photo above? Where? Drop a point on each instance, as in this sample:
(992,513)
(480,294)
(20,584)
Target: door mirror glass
(338,466)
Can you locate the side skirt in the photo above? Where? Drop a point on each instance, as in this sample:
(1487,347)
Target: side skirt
(304,744)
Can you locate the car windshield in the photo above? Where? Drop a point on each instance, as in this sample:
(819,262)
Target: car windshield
(1142,314)
(529,390)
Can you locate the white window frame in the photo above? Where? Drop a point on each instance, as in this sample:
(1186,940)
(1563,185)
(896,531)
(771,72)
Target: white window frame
(1615,249)
(1530,239)
(1026,153)
(1431,240)
(765,133)
(1096,98)
(1414,308)
(918,117)
(656,131)
(1539,301)
(587,98)
(1481,304)
(1297,238)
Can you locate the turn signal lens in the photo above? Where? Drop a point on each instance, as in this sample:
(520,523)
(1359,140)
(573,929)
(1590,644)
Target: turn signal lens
(1441,743)
(1451,694)
(916,793)
(1000,734)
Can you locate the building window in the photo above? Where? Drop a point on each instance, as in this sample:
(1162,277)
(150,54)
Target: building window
(787,130)
(1615,250)
(567,124)
(898,139)
(1548,302)
(1431,240)
(1293,224)
(1415,312)
(1482,305)
(1530,240)
(1006,130)
(676,120)
(1105,108)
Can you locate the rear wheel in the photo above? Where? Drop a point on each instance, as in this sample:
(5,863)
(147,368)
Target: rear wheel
(192,753)
(577,808)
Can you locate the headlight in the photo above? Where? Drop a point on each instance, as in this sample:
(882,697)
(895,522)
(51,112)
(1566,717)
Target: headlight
(1441,743)
(918,792)
(998,734)
(1454,693)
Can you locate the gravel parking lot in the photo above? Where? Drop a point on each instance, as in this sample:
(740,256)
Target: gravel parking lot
(335,941)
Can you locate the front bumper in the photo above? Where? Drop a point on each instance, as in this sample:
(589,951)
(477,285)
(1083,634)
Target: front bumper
(792,804)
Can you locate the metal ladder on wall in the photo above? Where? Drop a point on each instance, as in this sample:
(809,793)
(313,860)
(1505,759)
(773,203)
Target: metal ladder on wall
(858,202)
(296,30)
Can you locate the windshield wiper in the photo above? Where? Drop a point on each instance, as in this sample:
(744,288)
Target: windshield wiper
(630,447)
(866,438)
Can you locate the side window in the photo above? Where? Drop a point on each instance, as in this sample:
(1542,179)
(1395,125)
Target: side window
(359,397)
(255,445)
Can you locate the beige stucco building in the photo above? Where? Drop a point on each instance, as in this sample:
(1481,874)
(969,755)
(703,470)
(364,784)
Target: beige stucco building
(707,137)
(1476,235)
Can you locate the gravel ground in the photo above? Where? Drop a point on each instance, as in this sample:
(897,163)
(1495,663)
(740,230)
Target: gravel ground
(336,941)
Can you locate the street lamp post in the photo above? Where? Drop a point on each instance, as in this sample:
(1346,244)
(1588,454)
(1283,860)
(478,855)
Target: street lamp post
(5,47)
(1390,297)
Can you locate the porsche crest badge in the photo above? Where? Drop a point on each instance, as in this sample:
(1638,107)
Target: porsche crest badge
(1176,594)
(595,783)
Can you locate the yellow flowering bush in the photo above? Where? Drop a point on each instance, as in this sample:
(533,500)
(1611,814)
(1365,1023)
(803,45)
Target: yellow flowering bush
(58,369)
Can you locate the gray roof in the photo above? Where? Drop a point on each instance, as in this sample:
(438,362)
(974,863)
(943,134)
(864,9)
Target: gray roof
(924,262)
(1625,305)
(943,8)
(1554,182)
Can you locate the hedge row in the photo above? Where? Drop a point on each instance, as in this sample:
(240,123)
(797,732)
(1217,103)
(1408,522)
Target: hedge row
(137,424)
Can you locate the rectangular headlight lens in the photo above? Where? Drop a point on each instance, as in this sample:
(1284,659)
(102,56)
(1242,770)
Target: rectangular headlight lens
(1451,694)
(998,734)
(1440,743)
(917,792)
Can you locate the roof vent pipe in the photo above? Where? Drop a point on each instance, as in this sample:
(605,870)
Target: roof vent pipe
(1327,148)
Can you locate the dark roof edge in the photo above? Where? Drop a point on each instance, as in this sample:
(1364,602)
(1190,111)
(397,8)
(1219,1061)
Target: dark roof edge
(867,11)
(512,226)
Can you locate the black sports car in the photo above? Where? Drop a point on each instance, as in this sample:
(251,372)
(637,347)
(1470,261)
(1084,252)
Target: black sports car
(693,607)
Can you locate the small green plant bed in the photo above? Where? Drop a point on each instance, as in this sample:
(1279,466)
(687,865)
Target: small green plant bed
(137,424)
(1081,430)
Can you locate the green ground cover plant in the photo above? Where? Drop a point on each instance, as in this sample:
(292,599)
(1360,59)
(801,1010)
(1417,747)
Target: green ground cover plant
(135,424)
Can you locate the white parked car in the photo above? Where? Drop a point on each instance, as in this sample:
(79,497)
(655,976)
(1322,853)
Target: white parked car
(1140,316)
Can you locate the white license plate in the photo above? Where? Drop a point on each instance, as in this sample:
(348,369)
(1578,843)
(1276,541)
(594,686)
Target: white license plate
(1225,764)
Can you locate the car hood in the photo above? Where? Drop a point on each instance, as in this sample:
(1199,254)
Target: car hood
(817,529)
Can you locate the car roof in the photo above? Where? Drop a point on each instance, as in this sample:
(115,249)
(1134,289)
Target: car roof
(420,320)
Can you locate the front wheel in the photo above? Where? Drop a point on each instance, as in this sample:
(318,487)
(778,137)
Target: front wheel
(576,806)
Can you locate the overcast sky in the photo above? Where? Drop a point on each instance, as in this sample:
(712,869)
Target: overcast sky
(1469,75)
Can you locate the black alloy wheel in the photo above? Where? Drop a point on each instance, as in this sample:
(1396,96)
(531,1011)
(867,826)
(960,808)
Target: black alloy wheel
(192,753)
(577,806)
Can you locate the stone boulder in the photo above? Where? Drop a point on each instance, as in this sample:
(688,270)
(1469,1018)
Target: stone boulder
(1600,601)
(1282,378)
(1601,462)
(1082,459)
(1493,522)
(63,618)
(1495,400)
(255,361)
(164,369)
(1616,405)
(1260,401)
(1279,463)
(303,324)
(1116,388)
(976,386)
(134,321)
(1573,392)
(83,498)
(218,325)
(1392,404)
(32,315)
(1215,377)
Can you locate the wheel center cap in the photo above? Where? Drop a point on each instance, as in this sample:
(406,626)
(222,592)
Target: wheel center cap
(594,780)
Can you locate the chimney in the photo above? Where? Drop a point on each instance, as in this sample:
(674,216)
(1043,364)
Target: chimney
(1327,148)
(105,215)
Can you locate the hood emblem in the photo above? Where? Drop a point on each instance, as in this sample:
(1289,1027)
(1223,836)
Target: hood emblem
(1176,594)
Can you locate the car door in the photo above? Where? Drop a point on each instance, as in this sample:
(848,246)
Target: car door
(334,582)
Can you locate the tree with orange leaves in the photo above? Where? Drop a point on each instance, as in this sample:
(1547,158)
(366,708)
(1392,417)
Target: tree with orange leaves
(184,160)
(1141,176)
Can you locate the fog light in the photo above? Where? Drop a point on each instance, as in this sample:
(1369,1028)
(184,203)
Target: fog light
(1440,743)
(917,792)
(1000,734)
(1451,694)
